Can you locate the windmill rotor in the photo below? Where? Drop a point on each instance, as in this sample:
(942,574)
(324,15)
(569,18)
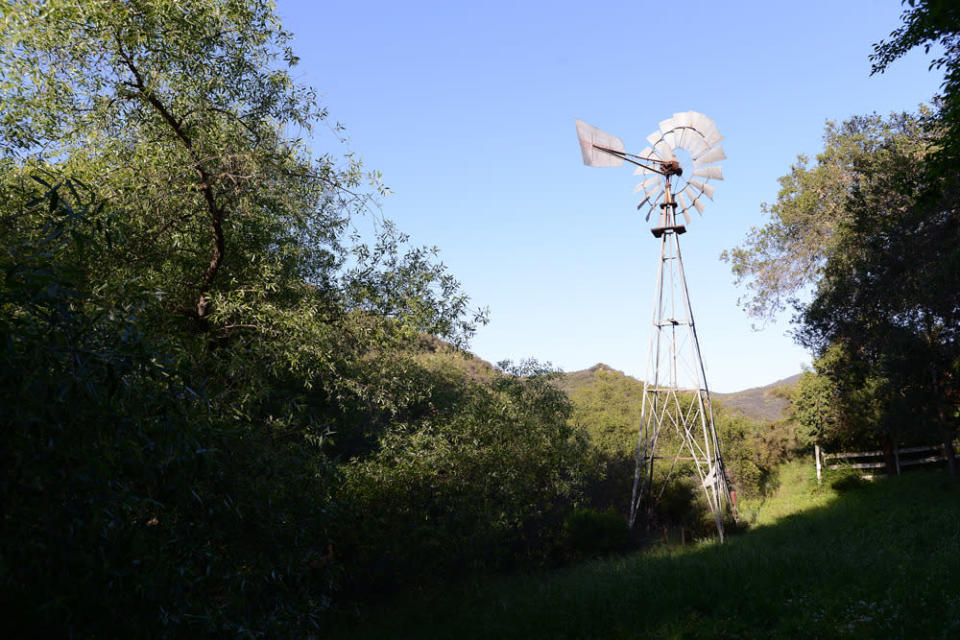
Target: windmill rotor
(691,131)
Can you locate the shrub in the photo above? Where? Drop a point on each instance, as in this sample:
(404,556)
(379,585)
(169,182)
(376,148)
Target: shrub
(588,532)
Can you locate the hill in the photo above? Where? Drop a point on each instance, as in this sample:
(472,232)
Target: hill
(765,404)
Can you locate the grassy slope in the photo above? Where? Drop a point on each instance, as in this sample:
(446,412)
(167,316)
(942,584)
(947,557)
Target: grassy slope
(881,561)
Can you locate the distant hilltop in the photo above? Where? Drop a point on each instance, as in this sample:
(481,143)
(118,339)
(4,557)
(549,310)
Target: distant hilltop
(768,403)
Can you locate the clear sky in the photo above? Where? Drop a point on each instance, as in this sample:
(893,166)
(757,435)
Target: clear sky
(468,111)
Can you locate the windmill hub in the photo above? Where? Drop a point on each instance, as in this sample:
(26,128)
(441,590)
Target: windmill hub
(672,168)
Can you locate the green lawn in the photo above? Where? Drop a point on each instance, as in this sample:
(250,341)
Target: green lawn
(879,561)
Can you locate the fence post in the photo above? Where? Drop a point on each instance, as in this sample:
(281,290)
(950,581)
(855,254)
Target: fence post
(816,454)
(896,456)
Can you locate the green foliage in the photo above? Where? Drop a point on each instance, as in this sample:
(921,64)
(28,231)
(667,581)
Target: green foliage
(129,502)
(588,532)
(930,24)
(202,376)
(874,232)
(608,409)
(483,488)
(776,261)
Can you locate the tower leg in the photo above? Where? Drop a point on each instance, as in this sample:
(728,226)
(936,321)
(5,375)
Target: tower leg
(677,435)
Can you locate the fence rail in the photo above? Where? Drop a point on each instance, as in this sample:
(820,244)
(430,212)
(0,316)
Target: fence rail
(860,458)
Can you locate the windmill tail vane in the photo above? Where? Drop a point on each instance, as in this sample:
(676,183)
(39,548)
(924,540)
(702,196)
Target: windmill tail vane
(677,434)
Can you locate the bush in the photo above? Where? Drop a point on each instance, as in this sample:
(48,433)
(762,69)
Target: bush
(588,532)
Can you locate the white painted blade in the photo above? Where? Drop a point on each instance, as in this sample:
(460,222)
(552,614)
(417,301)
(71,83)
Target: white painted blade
(642,171)
(713,173)
(714,155)
(654,138)
(683,119)
(647,184)
(702,123)
(671,139)
(683,206)
(651,200)
(667,125)
(694,143)
(664,151)
(593,157)
(699,206)
(679,134)
(713,137)
(647,152)
(706,188)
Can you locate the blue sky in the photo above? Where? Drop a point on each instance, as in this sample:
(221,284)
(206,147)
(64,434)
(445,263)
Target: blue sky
(468,111)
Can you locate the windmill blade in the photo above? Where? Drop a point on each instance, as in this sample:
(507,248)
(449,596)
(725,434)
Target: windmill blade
(654,138)
(702,123)
(714,155)
(679,134)
(694,143)
(671,139)
(667,125)
(683,119)
(713,137)
(706,188)
(683,207)
(646,184)
(664,151)
(712,173)
(651,199)
(694,198)
(647,152)
(593,157)
(642,171)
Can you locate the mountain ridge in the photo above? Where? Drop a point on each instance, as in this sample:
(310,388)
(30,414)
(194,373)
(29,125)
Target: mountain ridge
(767,403)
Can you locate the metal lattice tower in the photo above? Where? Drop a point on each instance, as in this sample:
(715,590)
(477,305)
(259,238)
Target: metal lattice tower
(677,431)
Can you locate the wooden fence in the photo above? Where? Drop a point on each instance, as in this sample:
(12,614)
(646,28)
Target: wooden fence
(903,457)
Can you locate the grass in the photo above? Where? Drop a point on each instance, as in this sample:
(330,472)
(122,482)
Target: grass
(879,561)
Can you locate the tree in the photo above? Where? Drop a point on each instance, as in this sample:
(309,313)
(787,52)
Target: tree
(890,294)
(929,23)
(184,324)
(784,257)
(873,232)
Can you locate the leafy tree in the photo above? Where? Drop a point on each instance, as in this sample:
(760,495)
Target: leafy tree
(780,260)
(190,339)
(890,295)
(930,23)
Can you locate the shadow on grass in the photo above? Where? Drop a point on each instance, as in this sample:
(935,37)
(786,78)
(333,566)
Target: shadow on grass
(881,561)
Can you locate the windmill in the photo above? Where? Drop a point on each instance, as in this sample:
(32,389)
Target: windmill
(677,429)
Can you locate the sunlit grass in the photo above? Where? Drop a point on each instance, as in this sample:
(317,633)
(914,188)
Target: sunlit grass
(796,491)
(880,561)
